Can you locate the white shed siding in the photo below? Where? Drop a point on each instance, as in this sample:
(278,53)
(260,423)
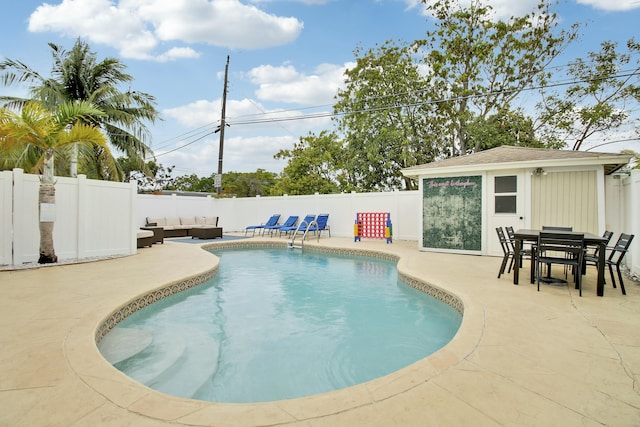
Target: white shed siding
(565,199)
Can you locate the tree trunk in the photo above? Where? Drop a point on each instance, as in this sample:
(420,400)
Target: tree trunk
(48,172)
(47,251)
(74,161)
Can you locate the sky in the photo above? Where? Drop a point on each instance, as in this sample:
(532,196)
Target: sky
(286,61)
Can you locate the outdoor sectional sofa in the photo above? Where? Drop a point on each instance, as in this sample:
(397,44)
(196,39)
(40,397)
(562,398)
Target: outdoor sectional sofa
(181,226)
(145,238)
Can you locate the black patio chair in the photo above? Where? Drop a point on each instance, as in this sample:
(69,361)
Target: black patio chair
(524,252)
(506,249)
(556,228)
(591,256)
(567,249)
(615,258)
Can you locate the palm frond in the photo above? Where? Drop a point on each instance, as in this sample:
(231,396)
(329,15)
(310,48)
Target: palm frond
(16,72)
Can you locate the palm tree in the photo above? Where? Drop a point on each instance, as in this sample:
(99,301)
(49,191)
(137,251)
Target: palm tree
(78,76)
(38,134)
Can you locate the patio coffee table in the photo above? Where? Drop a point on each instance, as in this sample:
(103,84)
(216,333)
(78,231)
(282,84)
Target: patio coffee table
(206,232)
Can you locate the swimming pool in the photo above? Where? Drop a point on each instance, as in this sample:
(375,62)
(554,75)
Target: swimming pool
(277,323)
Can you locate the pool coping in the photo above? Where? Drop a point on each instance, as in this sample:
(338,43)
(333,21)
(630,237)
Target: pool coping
(131,395)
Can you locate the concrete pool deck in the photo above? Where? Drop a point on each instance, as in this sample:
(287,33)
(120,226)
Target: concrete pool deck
(521,357)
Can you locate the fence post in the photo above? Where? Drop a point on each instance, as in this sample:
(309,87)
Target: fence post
(632,218)
(19,240)
(6,218)
(82,230)
(133,208)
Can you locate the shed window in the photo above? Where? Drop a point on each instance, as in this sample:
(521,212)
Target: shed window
(505,194)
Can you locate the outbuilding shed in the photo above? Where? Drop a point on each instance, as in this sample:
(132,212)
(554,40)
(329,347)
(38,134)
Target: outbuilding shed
(465,198)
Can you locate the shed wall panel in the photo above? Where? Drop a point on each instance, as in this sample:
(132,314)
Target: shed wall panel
(565,199)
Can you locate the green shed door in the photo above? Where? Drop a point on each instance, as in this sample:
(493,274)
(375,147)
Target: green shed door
(452,213)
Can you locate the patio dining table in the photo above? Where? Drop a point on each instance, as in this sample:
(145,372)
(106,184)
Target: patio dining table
(526,235)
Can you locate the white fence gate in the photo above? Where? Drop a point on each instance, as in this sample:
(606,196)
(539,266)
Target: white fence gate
(92,218)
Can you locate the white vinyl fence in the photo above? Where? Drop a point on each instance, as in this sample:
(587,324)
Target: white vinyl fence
(237,213)
(92,218)
(632,219)
(623,213)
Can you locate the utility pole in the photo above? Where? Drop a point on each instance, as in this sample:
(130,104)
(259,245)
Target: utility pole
(222,126)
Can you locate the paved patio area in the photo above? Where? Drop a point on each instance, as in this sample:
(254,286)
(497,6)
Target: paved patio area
(521,357)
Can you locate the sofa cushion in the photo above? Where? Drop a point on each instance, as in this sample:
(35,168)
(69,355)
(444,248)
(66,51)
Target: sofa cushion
(211,220)
(200,220)
(144,233)
(172,220)
(187,220)
(159,221)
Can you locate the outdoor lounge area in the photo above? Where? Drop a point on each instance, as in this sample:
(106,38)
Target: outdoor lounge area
(521,357)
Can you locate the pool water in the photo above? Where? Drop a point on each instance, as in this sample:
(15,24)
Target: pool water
(277,324)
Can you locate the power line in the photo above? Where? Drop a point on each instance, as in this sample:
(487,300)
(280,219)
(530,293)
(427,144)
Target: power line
(207,128)
(330,114)
(179,148)
(426,102)
(612,142)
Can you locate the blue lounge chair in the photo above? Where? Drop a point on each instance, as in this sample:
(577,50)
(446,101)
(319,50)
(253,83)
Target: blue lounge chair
(271,222)
(321,225)
(303,225)
(290,222)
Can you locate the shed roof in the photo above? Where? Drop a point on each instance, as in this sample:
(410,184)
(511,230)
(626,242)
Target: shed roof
(510,157)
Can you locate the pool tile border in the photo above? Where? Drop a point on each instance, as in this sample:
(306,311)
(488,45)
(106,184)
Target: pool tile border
(182,285)
(149,298)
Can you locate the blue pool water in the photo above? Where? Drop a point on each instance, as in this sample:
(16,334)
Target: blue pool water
(279,323)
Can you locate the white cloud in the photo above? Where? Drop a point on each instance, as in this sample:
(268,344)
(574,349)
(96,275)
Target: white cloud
(611,5)
(256,132)
(246,116)
(241,154)
(285,84)
(226,23)
(249,154)
(137,27)
(276,84)
(196,114)
(176,53)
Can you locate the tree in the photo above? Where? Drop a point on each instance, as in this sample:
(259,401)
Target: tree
(383,114)
(42,133)
(248,184)
(236,184)
(480,66)
(156,176)
(195,183)
(313,166)
(604,91)
(78,76)
(509,128)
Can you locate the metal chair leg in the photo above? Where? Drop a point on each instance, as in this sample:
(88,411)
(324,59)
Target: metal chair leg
(613,279)
(503,266)
(624,292)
